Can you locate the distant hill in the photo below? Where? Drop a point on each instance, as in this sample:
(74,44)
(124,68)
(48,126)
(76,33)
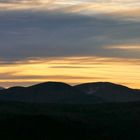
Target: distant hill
(110,92)
(2,88)
(48,92)
(58,92)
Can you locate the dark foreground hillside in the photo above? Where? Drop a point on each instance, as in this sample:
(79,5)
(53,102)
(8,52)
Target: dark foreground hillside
(20,121)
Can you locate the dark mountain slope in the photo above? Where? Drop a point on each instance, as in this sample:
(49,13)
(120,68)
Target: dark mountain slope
(1,88)
(111,121)
(58,92)
(110,92)
(49,92)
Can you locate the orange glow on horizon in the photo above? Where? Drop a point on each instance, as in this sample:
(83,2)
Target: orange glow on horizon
(72,70)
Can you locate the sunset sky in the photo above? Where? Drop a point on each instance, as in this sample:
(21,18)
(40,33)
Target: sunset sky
(73,41)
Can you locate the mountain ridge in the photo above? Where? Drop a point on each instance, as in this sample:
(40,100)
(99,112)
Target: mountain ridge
(2,88)
(59,92)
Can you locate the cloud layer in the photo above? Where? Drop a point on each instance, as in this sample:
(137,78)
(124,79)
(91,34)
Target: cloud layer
(41,32)
(28,34)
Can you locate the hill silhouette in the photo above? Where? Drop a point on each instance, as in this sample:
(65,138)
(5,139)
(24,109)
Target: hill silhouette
(110,92)
(58,92)
(2,88)
(48,92)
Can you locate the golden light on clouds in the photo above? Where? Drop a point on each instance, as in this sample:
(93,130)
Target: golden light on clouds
(87,6)
(25,4)
(127,48)
(72,70)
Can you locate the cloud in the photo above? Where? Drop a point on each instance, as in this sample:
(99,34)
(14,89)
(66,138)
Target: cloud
(69,67)
(72,70)
(124,9)
(127,48)
(25,4)
(12,76)
(9,79)
(27,35)
(41,38)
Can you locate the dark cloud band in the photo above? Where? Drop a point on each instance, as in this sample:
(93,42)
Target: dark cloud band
(25,35)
